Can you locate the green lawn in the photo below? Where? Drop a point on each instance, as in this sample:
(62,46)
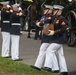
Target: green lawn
(9,67)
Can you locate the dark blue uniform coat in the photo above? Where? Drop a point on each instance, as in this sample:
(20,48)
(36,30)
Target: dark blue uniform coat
(15,24)
(60,28)
(5,21)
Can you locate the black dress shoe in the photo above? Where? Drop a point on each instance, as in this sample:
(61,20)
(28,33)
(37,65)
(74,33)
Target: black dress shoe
(64,73)
(47,69)
(34,67)
(56,71)
(18,59)
(8,57)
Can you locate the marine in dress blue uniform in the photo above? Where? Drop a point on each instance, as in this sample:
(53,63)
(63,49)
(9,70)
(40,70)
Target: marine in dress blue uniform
(57,40)
(5,28)
(15,32)
(45,43)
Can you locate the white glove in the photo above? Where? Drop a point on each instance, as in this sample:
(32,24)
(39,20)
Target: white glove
(20,9)
(38,24)
(51,32)
(8,6)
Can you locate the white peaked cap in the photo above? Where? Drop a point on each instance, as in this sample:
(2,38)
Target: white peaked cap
(15,5)
(4,3)
(48,6)
(20,8)
(58,7)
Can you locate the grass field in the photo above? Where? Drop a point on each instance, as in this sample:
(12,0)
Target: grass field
(10,67)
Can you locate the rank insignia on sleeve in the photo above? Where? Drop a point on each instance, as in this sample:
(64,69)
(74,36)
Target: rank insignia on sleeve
(63,23)
(57,21)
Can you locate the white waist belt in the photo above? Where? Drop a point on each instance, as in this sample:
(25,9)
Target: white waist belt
(6,21)
(16,24)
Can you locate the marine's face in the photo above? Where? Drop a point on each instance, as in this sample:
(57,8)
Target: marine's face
(45,11)
(49,11)
(57,12)
(15,8)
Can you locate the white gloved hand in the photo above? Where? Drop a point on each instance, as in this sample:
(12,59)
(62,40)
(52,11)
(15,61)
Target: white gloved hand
(38,24)
(51,32)
(20,9)
(8,6)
